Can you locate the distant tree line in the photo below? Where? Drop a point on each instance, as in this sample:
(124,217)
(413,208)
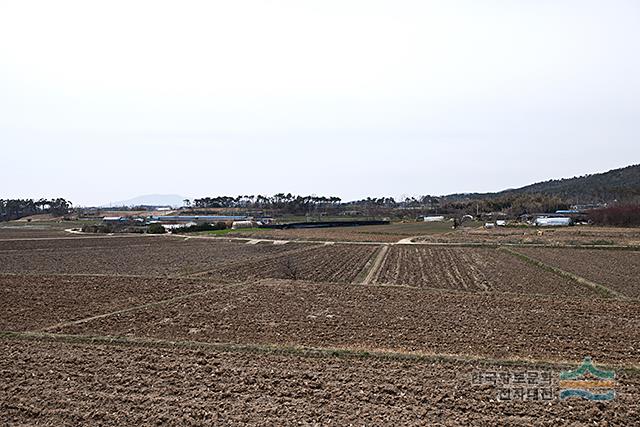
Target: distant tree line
(514,205)
(290,202)
(17,208)
(287,203)
(620,216)
(390,202)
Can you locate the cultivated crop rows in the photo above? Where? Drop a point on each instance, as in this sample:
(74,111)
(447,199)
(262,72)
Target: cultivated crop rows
(470,269)
(328,263)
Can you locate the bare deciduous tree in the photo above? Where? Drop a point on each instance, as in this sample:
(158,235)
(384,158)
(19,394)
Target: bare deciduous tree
(290,269)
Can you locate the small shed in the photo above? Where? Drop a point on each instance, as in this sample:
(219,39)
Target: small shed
(241,224)
(114,219)
(552,221)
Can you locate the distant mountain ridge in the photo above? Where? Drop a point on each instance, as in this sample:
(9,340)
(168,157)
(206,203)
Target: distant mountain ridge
(617,184)
(173,200)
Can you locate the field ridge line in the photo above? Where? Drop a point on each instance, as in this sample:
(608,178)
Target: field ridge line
(297,350)
(308,241)
(135,308)
(375,266)
(115,276)
(599,288)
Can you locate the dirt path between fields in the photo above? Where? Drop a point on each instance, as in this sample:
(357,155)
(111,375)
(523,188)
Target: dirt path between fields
(373,271)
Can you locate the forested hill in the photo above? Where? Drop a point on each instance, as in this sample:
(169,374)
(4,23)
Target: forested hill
(618,184)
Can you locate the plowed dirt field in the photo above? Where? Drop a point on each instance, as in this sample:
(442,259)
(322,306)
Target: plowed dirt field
(617,270)
(333,263)
(146,256)
(49,383)
(402,319)
(170,331)
(471,269)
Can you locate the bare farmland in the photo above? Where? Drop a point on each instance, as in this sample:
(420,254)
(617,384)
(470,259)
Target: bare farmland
(579,235)
(368,233)
(147,256)
(401,319)
(125,385)
(470,269)
(98,331)
(615,269)
(37,301)
(332,263)
(67,241)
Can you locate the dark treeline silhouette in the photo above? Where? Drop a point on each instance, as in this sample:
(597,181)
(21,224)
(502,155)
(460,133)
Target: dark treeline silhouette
(620,216)
(513,206)
(621,185)
(290,202)
(17,208)
(287,203)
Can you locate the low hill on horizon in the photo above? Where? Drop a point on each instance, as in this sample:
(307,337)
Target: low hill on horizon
(620,185)
(173,200)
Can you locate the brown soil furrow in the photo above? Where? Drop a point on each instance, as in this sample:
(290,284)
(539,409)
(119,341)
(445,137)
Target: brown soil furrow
(471,269)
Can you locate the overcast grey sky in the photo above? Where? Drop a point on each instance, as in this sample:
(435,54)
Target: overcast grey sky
(103,101)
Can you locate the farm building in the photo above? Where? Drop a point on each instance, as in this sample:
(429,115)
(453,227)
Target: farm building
(241,224)
(116,219)
(174,226)
(265,221)
(552,221)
